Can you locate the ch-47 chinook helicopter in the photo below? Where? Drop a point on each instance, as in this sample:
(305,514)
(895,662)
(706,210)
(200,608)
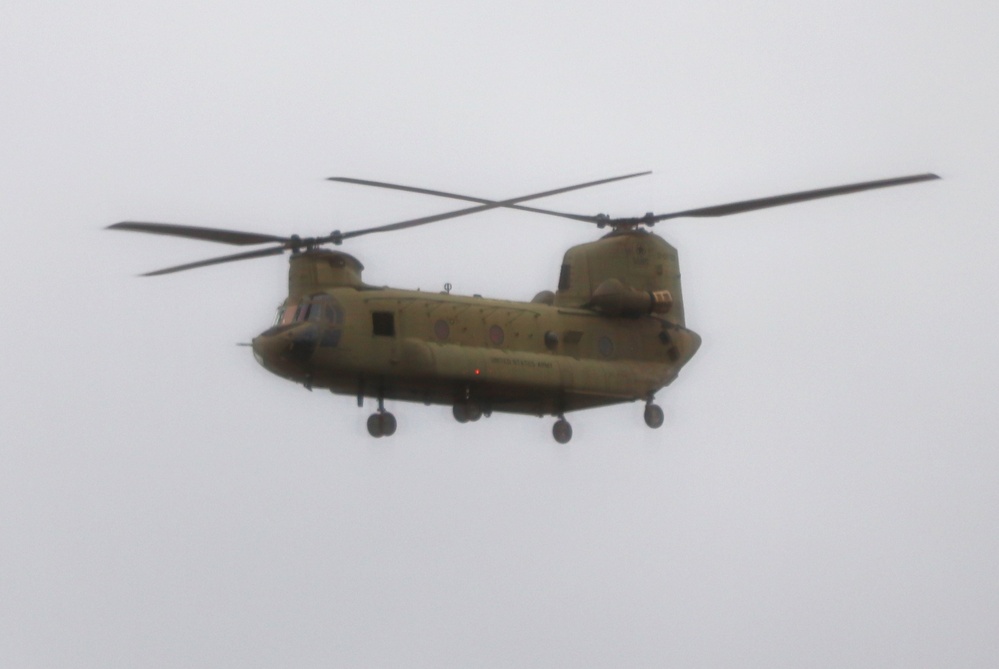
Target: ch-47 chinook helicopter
(613,332)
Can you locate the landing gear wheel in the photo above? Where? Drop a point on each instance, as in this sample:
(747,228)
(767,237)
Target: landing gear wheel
(381,424)
(653,416)
(562,431)
(465,412)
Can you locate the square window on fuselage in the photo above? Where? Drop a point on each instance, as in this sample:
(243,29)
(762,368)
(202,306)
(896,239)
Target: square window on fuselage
(383,323)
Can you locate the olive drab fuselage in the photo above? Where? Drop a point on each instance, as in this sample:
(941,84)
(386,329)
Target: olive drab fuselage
(613,332)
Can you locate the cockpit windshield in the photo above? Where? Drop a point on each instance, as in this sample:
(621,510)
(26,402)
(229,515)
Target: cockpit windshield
(316,309)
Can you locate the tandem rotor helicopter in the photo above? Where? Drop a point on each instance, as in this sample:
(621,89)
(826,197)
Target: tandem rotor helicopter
(612,332)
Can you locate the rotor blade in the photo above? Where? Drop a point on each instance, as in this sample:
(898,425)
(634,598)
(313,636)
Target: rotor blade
(790,198)
(205,234)
(474,210)
(260,253)
(455,196)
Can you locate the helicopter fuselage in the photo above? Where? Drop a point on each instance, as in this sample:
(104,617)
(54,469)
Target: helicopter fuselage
(483,354)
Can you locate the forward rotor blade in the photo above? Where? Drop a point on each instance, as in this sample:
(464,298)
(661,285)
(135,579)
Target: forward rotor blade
(236,237)
(488,204)
(260,253)
(790,198)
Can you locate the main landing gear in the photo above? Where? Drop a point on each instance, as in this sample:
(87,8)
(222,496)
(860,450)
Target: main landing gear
(653,415)
(381,423)
(466,411)
(561,430)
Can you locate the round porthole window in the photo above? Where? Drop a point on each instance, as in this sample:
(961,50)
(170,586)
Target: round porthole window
(496,335)
(551,340)
(605,346)
(442,330)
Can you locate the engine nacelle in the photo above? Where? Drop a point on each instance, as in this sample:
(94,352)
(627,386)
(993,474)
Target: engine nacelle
(639,260)
(614,298)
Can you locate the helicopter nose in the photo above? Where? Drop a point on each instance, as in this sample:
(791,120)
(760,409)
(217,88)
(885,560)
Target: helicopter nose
(277,348)
(266,348)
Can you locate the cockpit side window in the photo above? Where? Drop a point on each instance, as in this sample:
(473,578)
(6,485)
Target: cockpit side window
(303,311)
(316,309)
(286,314)
(325,309)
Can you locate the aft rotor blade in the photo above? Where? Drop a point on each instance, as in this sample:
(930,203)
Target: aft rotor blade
(474,210)
(790,198)
(236,237)
(456,196)
(260,253)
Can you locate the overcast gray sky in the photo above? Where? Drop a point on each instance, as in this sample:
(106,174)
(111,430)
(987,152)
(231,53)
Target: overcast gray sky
(825,492)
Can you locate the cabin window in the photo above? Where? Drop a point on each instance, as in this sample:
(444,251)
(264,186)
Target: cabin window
(563,278)
(383,323)
(496,335)
(551,340)
(442,330)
